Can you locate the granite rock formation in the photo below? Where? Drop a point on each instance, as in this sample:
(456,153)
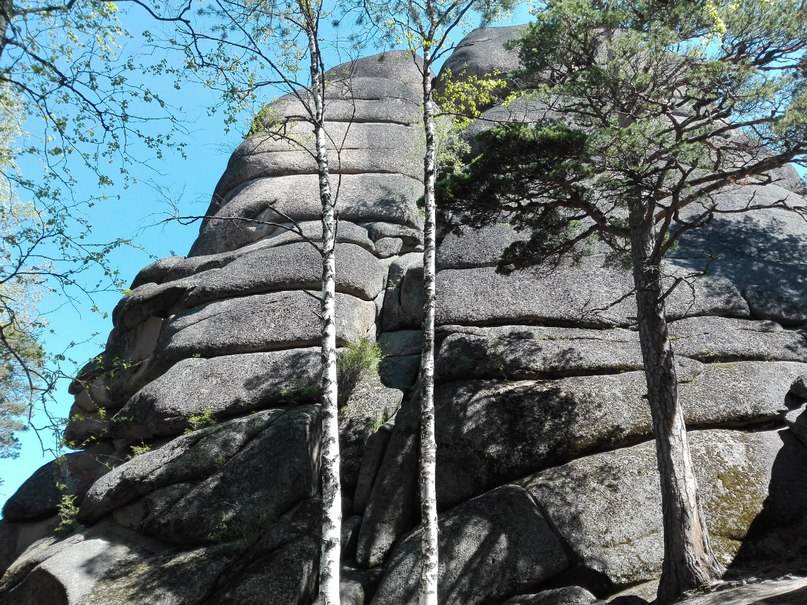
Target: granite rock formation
(196,478)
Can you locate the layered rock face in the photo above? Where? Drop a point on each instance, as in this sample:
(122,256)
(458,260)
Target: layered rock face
(198,476)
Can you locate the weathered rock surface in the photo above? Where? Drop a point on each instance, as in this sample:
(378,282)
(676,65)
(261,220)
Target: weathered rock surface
(608,506)
(263,322)
(221,386)
(482,52)
(557,299)
(70,476)
(492,547)
(570,595)
(215,482)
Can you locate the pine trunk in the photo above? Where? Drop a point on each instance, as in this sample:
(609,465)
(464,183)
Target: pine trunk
(330,552)
(688,558)
(428,445)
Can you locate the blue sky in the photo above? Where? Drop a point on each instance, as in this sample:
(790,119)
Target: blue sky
(188,182)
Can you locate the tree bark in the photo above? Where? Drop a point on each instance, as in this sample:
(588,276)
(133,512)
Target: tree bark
(428,445)
(330,552)
(688,558)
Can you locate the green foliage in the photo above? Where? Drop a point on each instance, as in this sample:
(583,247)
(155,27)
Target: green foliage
(67,509)
(358,359)
(466,96)
(139,449)
(61,74)
(460,101)
(201,421)
(299,392)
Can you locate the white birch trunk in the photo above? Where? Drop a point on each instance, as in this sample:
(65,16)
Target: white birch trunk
(330,552)
(428,445)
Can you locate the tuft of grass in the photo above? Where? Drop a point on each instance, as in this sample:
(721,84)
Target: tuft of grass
(200,421)
(139,450)
(358,359)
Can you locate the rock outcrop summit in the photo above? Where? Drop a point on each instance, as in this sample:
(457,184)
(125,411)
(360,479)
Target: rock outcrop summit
(196,477)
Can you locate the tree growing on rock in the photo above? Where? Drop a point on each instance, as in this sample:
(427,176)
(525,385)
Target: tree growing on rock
(651,110)
(245,47)
(427,28)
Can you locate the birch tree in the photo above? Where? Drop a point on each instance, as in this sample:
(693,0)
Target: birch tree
(64,76)
(427,27)
(251,46)
(652,109)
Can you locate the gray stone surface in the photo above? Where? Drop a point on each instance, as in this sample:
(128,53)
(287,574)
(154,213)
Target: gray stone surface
(262,322)
(293,135)
(476,247)
(788,590)
(787,178)
(489,432)
(225,386)
(396,110)
(64,572)
(362,198)
(368,406)
(557,298)
(290,267)
(215,483)
(281,567)
(492,547)
(799,387)
(409,235)
(127,345)
(244,229)
(388,246)
(522,109)
(607,507)
(398,152)
(569,595)
(155,272)
(726,339)
(786,308)
(403,300)
(482,51)
(391,508)
(763,248)
(295,266)
(399,343)
(396,65)
(70,475)
(356,586)
(372,456)
(8,544)
(519,352)
(114,566)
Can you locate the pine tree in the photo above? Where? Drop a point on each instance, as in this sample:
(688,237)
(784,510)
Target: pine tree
(651,110)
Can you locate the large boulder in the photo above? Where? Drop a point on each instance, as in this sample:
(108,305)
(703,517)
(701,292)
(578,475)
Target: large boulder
(214,483)
(490,547)
(219,386)
(262,322)
(607,507)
